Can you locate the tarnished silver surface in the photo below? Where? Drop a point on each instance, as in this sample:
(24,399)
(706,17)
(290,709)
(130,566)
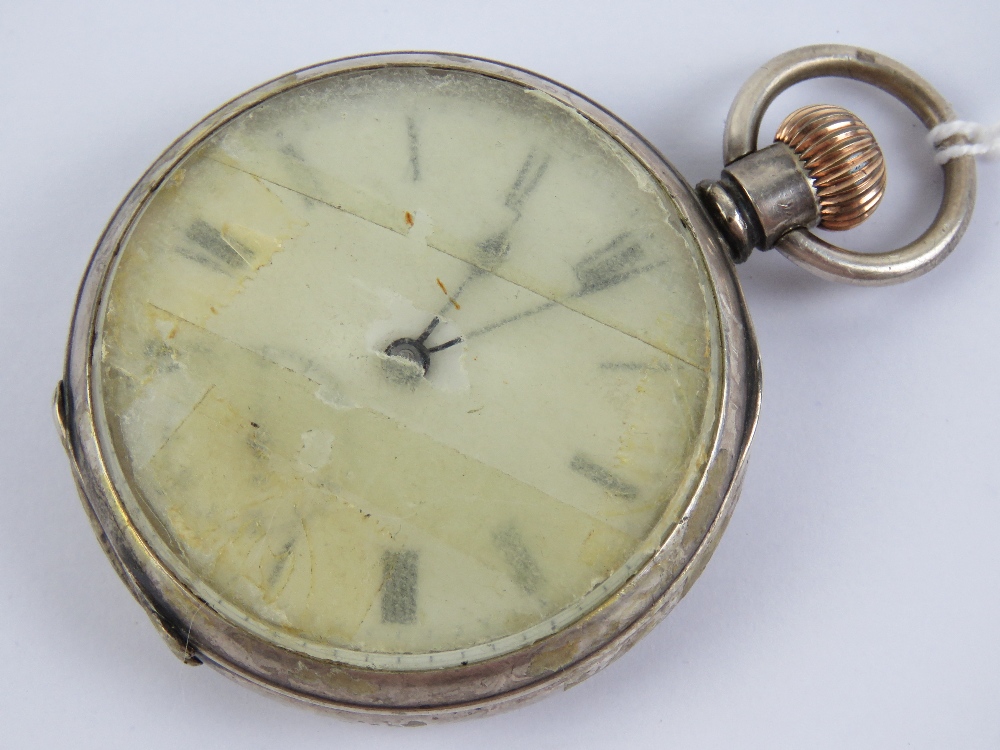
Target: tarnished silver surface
(199,634)
(733,217)
(779,190)
(760,198)
(814,254)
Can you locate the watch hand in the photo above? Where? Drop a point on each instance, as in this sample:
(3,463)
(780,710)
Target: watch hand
(446,345)
(427,332)
(429,329)
(504,321)
(496,247)
(613,264)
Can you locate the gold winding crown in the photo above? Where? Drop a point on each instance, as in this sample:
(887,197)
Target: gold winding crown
(841,158)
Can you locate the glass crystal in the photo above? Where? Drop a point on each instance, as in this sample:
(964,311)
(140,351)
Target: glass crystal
(408,367)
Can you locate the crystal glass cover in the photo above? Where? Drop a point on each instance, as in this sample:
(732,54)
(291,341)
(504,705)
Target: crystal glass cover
(407,367)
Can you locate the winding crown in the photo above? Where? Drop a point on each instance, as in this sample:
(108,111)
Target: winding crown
(842,159)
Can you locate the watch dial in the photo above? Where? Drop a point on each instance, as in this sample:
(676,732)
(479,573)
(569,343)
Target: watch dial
(407,367)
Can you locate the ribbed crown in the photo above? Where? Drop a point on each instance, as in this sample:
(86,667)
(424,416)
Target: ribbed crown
(843,160)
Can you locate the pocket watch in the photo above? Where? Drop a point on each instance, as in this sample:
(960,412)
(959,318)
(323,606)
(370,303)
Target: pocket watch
(415,386)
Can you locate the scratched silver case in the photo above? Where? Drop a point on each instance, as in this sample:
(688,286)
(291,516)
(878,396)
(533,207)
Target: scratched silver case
(198,634)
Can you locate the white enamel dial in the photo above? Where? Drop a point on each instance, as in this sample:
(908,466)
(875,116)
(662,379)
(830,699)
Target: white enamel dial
(407,368)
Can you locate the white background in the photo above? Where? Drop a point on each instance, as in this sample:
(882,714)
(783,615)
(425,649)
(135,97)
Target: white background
(852,602)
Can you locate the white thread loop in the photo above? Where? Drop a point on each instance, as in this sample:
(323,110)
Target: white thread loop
(981,140)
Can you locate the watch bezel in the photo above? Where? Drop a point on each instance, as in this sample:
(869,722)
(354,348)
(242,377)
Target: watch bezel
(199,634)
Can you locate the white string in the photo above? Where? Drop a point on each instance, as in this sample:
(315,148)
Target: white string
(981,140)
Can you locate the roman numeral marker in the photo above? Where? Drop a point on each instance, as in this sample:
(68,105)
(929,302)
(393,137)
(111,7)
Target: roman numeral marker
(604,478)
(399,587)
